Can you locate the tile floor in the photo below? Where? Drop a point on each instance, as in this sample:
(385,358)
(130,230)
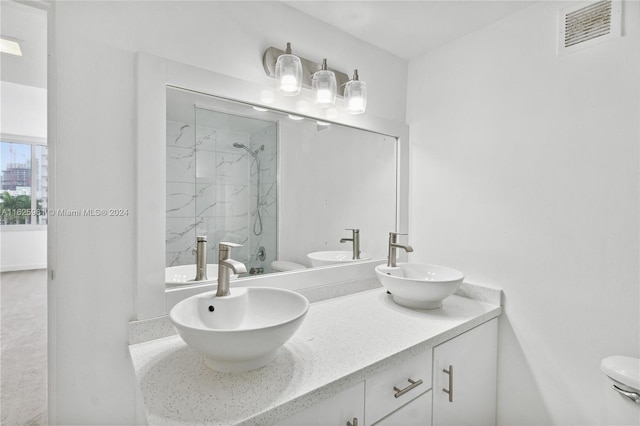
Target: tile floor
(23,348)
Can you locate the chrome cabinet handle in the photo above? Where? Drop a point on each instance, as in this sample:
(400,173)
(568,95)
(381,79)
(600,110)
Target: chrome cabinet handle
(355,422)
(412,384)
(450,390)
(631,395)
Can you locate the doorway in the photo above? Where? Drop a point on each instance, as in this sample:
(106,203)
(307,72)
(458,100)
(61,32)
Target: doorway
(24,191)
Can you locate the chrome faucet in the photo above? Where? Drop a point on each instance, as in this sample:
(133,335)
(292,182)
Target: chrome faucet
(225,266)
(356,242)
(393,245)
(201,258)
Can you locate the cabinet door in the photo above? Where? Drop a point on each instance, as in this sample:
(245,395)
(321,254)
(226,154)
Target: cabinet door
(470,363)
(337,410)
(415,413)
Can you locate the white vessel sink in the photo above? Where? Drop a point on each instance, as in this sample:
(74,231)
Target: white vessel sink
(242,331)
(323,258)
(419,286)
(186,274)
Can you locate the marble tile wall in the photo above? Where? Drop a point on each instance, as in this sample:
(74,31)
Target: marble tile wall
(181,203)
(212,190)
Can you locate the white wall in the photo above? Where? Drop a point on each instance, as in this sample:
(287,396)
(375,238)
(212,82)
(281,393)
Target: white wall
(24,110)
(525,175)
(91,299)
(23,249)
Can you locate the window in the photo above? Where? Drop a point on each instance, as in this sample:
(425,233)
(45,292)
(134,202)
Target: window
(23,183)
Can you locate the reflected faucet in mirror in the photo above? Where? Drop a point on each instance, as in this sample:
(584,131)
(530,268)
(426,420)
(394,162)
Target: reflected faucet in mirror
(201,258)
(393,246)
(355,239)
(225,266)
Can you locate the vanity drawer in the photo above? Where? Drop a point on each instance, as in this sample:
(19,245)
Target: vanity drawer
(415,413)
(390,389)
(336,410)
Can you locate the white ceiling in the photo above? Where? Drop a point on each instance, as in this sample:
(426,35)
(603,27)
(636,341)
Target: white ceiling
(28,25)
(409,28)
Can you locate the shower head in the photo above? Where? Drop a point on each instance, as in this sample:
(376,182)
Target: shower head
(243,146)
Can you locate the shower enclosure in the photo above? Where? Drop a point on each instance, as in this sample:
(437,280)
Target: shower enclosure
(230,164)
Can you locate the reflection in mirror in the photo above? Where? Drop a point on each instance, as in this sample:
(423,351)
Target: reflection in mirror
(282,188)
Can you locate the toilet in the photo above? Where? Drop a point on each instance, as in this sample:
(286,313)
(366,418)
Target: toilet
(623,389)
(285,265)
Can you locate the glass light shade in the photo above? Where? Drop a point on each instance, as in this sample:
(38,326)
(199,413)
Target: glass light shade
(355,96)
(289,74)
(324,88)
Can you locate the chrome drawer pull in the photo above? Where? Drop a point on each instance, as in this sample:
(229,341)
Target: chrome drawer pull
(413,384)
(631,395)
(355,422)
(450,390)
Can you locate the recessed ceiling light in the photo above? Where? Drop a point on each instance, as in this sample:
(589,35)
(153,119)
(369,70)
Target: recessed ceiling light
(12,47)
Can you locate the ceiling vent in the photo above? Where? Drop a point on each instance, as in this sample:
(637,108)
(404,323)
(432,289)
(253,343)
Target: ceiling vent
(585,25)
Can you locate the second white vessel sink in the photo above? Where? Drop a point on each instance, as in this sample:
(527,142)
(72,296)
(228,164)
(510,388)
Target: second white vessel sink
(419,286)
(242,331)
(323,258)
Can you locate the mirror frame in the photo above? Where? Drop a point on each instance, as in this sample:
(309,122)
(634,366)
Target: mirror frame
(154,74)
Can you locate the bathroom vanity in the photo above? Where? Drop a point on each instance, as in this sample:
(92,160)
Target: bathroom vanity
(353,356)
(359,358)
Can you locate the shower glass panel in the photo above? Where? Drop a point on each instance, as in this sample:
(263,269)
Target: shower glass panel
(229,184)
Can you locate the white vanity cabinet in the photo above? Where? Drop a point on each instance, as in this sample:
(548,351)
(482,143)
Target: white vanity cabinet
(465,394)
(395,396)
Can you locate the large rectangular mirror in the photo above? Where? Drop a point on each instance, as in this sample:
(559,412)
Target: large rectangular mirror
(283,186)
(327,179)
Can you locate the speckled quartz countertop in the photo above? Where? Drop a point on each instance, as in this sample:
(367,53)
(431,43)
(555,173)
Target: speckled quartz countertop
(342,342)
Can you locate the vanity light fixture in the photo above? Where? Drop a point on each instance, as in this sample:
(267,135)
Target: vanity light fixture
(324,86)
(355,95)
(288,73)
(10,45)
(317,77)
(257,108)
(295,117)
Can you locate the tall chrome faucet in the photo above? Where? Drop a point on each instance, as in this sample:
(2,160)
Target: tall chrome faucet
(355,238)
(225,266)
(201,258)
(393,246)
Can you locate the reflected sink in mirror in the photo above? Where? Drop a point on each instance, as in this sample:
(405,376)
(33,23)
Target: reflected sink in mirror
(185,274)
(240,332)
(324,258)
(419,286)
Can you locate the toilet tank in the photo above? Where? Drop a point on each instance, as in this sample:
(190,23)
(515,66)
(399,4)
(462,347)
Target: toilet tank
(622,389)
